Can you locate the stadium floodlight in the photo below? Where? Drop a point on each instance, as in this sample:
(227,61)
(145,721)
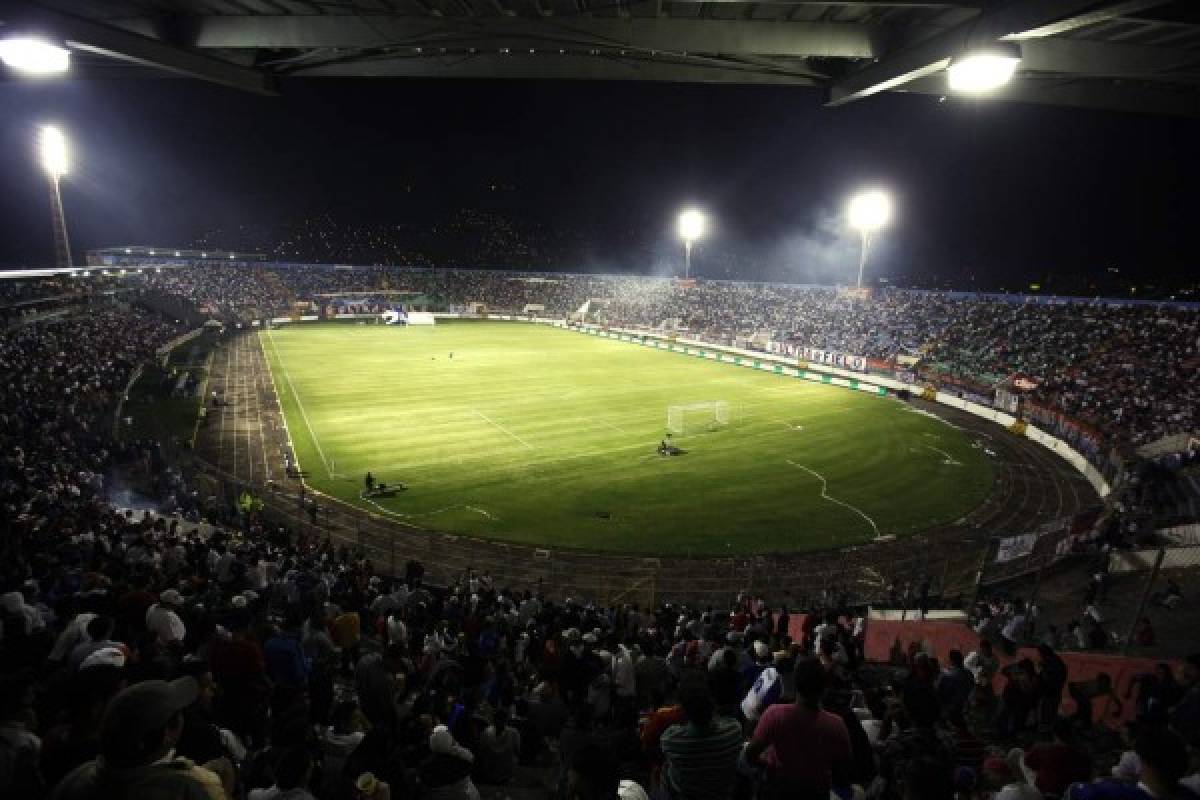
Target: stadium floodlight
(868,212)
(34,56)
(985,70)
(53,146)
(691,228)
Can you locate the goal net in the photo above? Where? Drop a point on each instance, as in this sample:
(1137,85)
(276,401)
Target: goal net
(697,416)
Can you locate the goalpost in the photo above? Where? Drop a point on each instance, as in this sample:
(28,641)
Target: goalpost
(696,416)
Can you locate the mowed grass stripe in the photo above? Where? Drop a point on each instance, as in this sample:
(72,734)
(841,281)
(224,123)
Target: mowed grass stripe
(590,412)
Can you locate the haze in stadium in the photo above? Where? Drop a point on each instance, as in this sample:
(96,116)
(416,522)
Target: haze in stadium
(545,400)
(990,192)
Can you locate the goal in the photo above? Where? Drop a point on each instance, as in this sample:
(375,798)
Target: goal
(697,416)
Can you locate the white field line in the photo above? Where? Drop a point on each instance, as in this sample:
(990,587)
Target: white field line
(287,439)
(474,509)
(500,427)
(475,455)
(540,462)
(224,406)
(287,376)
(949,458)
(825,494)
(608,424)
(931,415)
(243,402)
(203,395)
(258,403)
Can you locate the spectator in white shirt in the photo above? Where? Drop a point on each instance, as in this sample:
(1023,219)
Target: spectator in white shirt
(162,617)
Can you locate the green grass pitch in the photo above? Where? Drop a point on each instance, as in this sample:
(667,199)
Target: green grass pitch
(545,436)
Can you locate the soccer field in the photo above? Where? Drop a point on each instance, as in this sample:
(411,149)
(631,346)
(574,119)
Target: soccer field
(544,436)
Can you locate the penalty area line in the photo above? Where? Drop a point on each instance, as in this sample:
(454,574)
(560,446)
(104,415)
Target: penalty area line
(949,458)
(825,494)
(500,427)
(473,509)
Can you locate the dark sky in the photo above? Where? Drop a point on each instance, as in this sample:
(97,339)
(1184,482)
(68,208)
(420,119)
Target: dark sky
(996,190)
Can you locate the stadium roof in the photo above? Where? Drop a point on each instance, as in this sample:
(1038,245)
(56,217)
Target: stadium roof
(1129,55)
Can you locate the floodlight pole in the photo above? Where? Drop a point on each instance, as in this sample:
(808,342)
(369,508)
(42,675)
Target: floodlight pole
(62,245)
(862,259)
(687,259)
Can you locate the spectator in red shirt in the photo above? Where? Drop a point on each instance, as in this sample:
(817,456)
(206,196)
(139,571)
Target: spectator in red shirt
(1060,763)
(806,749)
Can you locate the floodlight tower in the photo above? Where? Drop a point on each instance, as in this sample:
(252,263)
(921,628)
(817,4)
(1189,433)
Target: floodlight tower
(691,228)
(53,146)
(868,212)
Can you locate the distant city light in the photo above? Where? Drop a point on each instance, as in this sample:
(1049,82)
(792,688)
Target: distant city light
(151,252)
(984,70)
(231,256)
(177,254)
(204,255)
(127,250)
(34,56)
(54,151)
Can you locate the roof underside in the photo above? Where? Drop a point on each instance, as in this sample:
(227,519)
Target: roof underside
(1128,55)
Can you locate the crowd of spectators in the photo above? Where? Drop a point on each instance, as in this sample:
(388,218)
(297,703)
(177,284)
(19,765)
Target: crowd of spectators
(209,654)
(151,657)
(1130,372)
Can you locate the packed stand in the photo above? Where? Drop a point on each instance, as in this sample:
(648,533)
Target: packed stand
(1132,373)
(147,657)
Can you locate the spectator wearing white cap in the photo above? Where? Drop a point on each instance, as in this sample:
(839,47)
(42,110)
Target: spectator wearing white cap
(767,687)
(162,618)
(446,773)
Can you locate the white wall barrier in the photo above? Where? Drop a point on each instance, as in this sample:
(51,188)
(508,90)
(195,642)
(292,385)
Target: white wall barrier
(1186,535)
(181,339)
(1143,560)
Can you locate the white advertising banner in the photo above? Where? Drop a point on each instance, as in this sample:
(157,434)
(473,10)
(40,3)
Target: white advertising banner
(1015,547)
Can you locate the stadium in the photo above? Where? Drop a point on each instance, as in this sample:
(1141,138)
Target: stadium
(420,497)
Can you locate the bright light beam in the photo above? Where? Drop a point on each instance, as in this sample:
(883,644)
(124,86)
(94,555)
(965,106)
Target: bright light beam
(691,227)
(34,56)
(53,147)
(983,71)
(868,212)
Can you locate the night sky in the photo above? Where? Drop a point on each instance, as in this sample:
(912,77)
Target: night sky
(985,192)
